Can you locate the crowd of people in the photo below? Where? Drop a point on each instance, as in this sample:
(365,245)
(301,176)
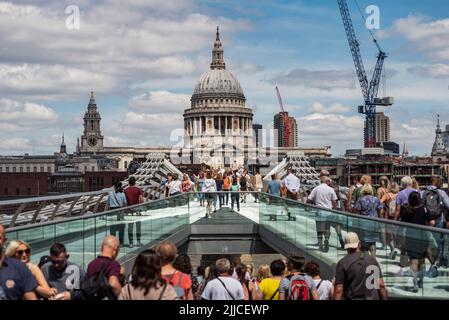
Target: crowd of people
(160,273)
(428,206)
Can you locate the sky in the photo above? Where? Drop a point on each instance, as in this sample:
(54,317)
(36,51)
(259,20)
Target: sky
(142,58)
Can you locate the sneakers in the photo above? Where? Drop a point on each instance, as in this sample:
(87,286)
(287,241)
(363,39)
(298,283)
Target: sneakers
(139,244)
(131,245)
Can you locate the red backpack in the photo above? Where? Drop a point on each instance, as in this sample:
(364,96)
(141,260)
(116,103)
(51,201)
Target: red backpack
(298,288)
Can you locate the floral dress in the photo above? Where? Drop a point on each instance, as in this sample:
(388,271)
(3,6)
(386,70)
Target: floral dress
(368,229)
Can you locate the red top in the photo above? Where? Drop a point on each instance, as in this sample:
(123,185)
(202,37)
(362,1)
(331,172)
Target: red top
(132,194)
(173,279)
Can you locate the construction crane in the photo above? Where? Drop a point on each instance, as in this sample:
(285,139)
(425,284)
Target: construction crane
(369,90)
(285,118)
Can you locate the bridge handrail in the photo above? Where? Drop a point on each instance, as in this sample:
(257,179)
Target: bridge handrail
(50,198)
(358,216)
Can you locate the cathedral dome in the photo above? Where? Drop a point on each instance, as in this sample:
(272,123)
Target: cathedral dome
(218,85)
(218,81)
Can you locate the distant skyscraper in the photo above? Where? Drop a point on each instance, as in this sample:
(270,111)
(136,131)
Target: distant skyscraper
(279,127)
(382,127)
(257,128)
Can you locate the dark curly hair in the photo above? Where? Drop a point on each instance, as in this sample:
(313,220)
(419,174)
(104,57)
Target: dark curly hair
(182,263)
(312,268)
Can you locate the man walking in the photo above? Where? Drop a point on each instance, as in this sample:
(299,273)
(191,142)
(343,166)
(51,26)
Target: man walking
(134,195)
(291,183)
(436,202)
(358,275)
(224,286)
(324,196)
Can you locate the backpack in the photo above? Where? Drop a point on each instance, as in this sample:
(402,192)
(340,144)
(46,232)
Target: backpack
(391,207)
(97,286)
(178,289)
(433,203)
(298,288)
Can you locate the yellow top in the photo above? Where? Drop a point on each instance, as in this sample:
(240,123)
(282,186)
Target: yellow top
(268,287)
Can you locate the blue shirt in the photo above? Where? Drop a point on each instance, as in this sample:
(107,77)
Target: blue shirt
(117,199)
(15,280)
(274,188)
(368,206)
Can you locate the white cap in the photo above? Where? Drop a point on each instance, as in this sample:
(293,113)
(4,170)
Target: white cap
(351,240)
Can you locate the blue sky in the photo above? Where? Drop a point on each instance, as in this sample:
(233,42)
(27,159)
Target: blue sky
(143,59)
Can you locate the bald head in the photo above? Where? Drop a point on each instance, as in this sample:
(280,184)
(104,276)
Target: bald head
(110,247)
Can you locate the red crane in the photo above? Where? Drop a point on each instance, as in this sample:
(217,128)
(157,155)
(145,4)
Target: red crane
(286,119)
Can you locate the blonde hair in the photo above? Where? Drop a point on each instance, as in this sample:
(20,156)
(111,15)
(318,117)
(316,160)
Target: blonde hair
(394,188)
(406,181)
(263,272)
(365,180)
(367,190)
(415,184)
(12,247)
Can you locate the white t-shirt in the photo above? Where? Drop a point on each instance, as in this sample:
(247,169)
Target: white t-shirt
(291,182)
(215,290)
(324,289)
(209,185)
(323,195)
(175,186)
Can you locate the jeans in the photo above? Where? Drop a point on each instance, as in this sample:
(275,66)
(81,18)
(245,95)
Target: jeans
(131,231)
(439,238)
(221,197)
(120,228)
(235,198)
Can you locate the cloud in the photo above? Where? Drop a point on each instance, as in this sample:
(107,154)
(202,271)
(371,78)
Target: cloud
(116,44)
(320,79)
(427,36)
(333,108)
(51,80)
(160,102)
(17,116)
(15,144)
(437,71)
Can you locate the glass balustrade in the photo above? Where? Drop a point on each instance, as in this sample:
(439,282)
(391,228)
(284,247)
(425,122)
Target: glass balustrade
(292,221)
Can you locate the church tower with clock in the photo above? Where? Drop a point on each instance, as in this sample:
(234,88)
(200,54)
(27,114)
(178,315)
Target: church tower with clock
(91,140)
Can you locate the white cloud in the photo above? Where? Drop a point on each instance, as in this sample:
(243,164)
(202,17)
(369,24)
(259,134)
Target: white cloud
(424,35)
(15,144)
(16,116)
(160,102)
(116,45)
(333,108)
(438,71)
(327,80)
(51,80)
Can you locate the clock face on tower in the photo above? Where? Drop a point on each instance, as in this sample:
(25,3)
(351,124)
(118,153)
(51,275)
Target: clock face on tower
(92,141)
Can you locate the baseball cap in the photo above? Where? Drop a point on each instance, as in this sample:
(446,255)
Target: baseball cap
(351,240)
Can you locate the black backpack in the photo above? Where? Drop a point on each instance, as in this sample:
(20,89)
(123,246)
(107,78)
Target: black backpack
(433,203)
(97,286)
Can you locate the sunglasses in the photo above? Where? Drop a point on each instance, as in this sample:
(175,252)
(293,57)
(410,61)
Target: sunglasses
(21,252)
(58,262)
